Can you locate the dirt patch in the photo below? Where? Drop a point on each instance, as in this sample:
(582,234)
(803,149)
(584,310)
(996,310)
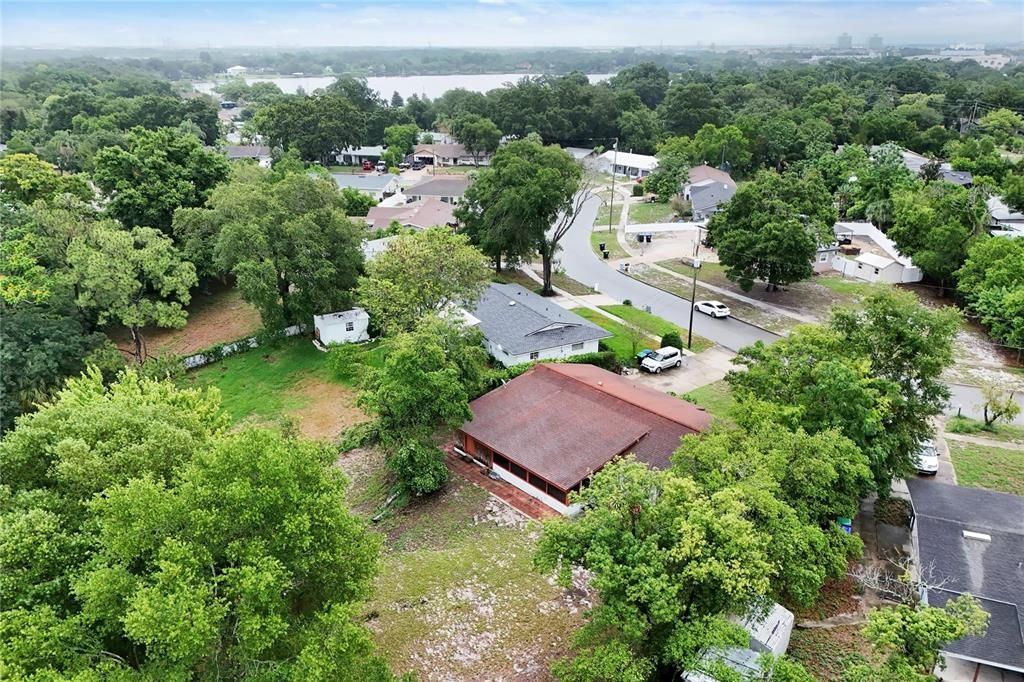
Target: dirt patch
(838,596)
(893,511)
(828,652)
(328,408)
(213,318)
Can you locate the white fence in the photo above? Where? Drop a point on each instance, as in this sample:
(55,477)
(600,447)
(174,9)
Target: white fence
(228,349)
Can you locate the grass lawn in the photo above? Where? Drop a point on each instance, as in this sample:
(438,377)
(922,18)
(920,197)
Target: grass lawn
(643,213)
(845,287)
(992,468)
(1009,433)
(716,398)
(611,243)
(457,596)
(652,324)
(288,381)
(455,170)
(559,280)
(620,343)
(601,221)
(712,273)
(562,281)
(347,169)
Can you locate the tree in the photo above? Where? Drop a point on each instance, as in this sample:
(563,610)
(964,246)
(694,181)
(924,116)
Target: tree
(873,185)
(670,563)
(992,284)
(716,146)
(26,178)
(133,278)
(910,638)
(640,130)
(160,546)
(401,138)
(688,107)
(478,134)
(159,171)
(524,202)
(1002,124)
(419,274)
(999,404)
(909,345)
(936,225)
(772,227)
(1013,190)
(396,100)
(317,126)
(356,203)
(288,241)
(648,80)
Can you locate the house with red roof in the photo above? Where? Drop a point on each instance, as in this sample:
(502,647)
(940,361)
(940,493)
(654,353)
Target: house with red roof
(550,429)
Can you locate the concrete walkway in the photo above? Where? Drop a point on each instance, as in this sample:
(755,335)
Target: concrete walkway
(988,442)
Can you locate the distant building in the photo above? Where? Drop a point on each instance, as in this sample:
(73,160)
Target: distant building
(420,214)
(447,188)
(844,41)
(626,163)
(1005,221)
(875,43)
(581,154)
(707,189)
(864,252)
(235,70)
(258,153)
(379,186)
(447,154)
(354,156)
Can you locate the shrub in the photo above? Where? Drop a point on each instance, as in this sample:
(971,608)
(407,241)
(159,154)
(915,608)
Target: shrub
(638,190)
(682,207)
(359,435)
(419,466)
(167,366)
(345,360)
(672,339)
(627,302)
(605,359)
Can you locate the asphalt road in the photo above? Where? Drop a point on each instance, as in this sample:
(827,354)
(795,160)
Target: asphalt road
(581,263)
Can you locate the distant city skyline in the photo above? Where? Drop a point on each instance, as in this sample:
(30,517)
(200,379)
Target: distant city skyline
(505,23)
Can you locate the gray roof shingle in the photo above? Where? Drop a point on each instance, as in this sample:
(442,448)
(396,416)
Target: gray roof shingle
(523,322)
(707,197)
(991,570)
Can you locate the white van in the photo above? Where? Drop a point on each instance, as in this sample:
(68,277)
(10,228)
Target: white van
(663,358)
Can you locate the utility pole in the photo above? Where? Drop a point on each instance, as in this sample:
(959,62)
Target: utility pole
(615,162)
(693,301)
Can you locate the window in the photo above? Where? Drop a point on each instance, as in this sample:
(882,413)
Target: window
(876,271)
(537,482)
(350,326)
(559,495)
(517,470)
(577,346)
(534,355)
(823,257)
(501,461)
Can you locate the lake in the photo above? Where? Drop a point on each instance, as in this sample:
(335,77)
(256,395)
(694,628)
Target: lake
(431,86)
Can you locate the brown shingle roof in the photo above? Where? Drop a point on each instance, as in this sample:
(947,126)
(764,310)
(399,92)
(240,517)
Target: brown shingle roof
(565,421)
(705,173)
(427,212)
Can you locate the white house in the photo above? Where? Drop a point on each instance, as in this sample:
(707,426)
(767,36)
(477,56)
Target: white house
(235,70)
(520,326)
(879,259)
(379,186)
(1005,221)
(447,154)
(258,153)
(626,163)
(347,326)
(354,156)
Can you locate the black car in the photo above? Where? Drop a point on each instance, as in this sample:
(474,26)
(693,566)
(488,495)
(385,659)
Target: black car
(418,165)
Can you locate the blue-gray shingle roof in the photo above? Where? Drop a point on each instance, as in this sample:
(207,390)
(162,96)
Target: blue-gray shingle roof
(523,322)
(366,183)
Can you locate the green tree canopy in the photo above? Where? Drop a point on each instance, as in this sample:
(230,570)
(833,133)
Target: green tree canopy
(27,178)
(419,274)
(478,134)
(158,171)
(317,126)
(992,283)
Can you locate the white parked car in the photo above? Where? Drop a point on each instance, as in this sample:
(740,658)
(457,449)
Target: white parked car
(663,358)
(927,459)
(713,308)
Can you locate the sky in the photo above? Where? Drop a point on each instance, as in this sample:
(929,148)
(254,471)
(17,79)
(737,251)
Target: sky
(503,23)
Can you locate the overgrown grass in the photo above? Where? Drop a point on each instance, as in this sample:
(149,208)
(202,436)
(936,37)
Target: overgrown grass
(652,324)
(845,287)
(454,581)
(1000,432)
(611,243)
(562,281)
(559,280)
(828,652)
(655,212)
(603,213)
(516,277)
(620,343)
(716,398)
(992,468)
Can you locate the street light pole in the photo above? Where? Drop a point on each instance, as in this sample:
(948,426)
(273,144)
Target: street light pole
(693,301)
(615,161)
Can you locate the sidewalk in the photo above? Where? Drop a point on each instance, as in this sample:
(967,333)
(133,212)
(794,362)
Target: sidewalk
(1004,444)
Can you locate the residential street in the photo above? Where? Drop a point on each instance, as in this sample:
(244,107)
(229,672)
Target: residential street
(582,264)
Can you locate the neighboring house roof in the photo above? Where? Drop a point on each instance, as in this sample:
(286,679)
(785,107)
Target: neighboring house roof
(989,568)
(706,174)
(371,150)
(707,197)
(1000,212)
(372,248)
(247,151)
(522,322)
(452,150)
(423,213)
(874,260)
(341,317)
(913,162)
(444,186)
(566,421)
(366,183)
(578,153)
(630,160)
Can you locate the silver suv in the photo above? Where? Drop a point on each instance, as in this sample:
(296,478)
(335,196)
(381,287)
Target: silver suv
(663,358)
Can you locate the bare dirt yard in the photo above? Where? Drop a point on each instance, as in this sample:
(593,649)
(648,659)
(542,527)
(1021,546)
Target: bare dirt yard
(458,597)
(218,317)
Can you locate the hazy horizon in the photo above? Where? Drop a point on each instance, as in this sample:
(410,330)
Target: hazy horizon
(594,24)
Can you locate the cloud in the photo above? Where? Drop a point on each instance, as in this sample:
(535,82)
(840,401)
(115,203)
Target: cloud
(327,5)
(491,2)
(366,21)
(517,20)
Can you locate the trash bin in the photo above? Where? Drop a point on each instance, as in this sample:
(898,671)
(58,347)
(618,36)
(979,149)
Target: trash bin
(600,247)
(846,523)
(648,237)
(606,254)
(625,267)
